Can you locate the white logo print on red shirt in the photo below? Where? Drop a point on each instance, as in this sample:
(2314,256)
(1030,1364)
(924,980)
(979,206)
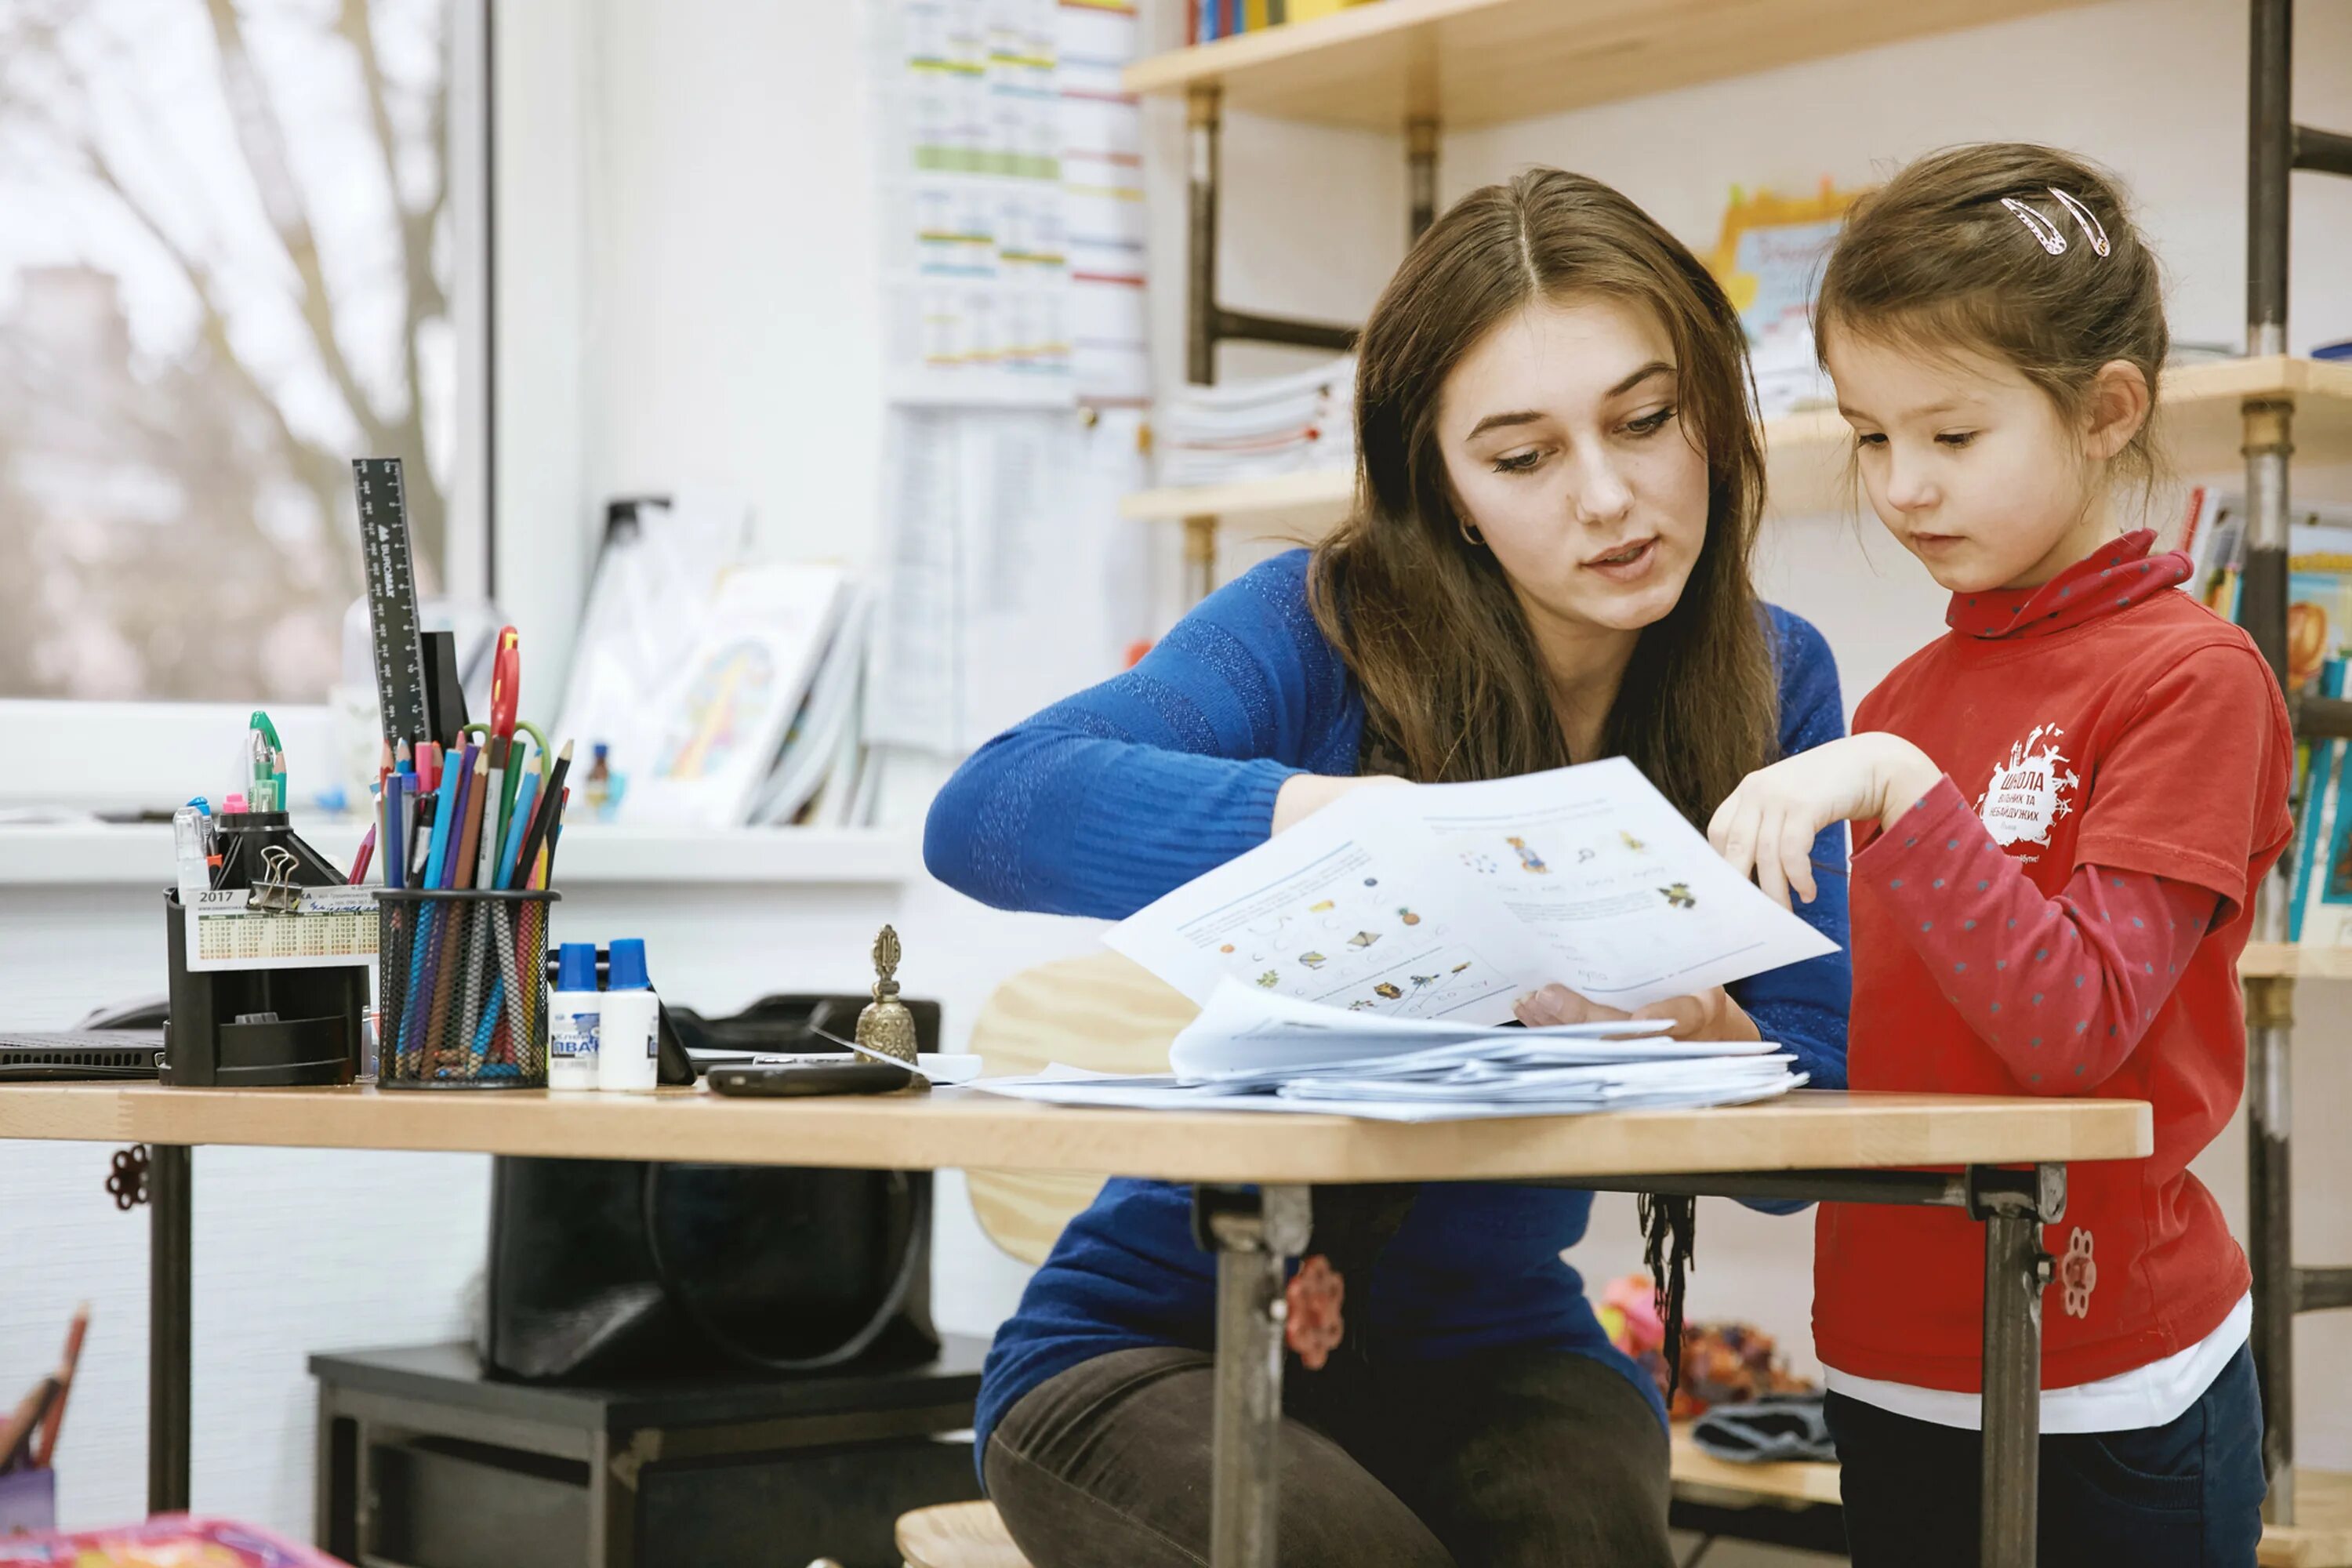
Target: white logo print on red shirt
(2029,792)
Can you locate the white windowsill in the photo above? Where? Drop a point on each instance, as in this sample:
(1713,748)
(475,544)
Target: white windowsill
(140,855)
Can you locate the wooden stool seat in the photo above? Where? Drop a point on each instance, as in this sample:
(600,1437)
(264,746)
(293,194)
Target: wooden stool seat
(957,1535)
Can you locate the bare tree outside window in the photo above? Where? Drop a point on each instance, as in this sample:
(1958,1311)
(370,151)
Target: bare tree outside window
(226,251)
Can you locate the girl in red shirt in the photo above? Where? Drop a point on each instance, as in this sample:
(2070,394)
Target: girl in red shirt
(2061,810)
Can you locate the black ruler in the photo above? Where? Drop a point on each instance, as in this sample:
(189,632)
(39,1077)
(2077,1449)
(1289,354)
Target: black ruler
(392,599)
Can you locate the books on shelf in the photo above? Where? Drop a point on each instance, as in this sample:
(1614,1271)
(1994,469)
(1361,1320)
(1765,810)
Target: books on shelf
(2319,575)
(1257,428)
(1769,258)
(1211,19)
(725,698)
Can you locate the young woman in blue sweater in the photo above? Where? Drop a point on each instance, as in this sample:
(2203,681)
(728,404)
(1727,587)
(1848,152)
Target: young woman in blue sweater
(1549,563)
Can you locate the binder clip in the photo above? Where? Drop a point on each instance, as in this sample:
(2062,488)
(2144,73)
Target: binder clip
(275,891)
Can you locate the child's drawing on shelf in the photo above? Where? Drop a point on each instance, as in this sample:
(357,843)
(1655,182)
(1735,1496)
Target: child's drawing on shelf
(1528,859)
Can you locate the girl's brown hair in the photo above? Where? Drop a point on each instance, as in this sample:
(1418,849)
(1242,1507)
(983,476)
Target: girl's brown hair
(1933,259)
(1426,620)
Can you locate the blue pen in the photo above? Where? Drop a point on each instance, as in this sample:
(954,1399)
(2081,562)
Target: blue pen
(395,849)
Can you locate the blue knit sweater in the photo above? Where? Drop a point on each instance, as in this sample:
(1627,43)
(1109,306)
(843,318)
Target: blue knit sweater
(1106,800)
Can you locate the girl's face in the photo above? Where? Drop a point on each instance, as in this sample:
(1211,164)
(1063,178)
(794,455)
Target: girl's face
(1967,463)
(1566,449)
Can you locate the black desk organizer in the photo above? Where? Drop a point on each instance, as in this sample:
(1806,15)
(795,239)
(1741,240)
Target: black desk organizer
(260,1028)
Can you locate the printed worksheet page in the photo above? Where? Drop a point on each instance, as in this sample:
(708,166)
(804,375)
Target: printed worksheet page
(1452,900)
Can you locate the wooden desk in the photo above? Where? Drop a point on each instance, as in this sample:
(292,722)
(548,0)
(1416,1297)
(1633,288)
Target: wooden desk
(954,1128)
(1854,1148)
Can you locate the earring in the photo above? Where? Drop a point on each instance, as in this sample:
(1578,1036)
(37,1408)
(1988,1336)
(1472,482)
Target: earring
(2093,230)
(2042,228)
(1470,534)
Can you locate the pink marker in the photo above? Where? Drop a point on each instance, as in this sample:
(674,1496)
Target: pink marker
(233,806)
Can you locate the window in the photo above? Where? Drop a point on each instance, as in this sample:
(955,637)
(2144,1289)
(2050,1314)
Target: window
(241,242)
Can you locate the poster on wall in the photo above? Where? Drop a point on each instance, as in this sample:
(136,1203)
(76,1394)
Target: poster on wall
(1012,201)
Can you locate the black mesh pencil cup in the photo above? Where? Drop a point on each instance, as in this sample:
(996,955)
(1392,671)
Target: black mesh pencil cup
(462,988)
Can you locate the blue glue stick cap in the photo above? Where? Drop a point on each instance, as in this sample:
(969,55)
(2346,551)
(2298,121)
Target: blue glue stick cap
(575,966)
(628,965)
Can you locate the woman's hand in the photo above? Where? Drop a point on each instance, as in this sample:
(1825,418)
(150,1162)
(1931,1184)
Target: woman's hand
(1766,826)
(1708,1016)
(1303,794)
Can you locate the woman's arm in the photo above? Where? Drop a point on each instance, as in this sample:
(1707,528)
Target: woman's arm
(1110,798)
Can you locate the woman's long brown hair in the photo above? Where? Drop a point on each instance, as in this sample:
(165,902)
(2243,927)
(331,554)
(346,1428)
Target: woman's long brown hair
(1426,620)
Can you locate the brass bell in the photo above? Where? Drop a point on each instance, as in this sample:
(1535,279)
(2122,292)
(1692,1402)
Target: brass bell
(885,1025)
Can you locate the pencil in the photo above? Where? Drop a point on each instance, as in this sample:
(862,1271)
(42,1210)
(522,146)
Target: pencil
(472,788)
(46,1443)
(441,955)
(551,801)
(485,870)
(526,797)
(420,927)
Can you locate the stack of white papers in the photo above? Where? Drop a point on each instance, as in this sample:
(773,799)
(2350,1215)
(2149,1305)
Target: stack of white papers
(1359,961)
(1251,429)
(1250,1050)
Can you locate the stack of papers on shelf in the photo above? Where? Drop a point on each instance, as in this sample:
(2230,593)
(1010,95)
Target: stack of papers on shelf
(1253,430)
(1251,1050)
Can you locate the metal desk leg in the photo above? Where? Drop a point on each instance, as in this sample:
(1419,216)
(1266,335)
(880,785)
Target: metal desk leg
(1253,1233)
(2014,1205)
(2270,1231)
(170,1268)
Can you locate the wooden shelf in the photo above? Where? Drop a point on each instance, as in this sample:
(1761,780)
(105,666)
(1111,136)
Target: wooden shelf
(2321,1536)
(1480,62)
(2285,961)
(1789,1483)
(1806,452)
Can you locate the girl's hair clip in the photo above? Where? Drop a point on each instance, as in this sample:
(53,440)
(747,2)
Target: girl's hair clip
(2043,230)
(2091,228)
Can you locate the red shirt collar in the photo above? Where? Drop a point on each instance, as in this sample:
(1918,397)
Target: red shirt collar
(2114,576)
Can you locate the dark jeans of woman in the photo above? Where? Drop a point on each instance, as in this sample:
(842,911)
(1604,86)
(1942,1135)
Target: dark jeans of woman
(2187,1494)
(1511,1460)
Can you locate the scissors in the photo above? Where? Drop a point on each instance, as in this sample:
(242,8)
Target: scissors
(506,683)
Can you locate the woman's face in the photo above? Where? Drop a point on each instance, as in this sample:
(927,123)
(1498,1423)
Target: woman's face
(1565,448)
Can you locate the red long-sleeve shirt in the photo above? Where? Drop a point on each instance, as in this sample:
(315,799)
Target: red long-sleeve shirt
(2061,988)
(2101,730)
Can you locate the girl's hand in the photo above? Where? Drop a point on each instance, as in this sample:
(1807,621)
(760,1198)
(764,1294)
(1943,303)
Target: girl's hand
(1768,824)
(1708,1016)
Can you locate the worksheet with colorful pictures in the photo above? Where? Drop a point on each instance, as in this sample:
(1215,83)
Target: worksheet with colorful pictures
(1453,900)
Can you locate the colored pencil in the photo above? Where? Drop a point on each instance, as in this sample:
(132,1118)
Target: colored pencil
(519,822)
(457,874)
(551,801)
(46,1444)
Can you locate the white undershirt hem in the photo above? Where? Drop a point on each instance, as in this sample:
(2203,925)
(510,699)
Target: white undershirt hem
(2151,1395)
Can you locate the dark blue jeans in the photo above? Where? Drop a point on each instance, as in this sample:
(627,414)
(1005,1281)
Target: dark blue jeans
(2185,1495)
